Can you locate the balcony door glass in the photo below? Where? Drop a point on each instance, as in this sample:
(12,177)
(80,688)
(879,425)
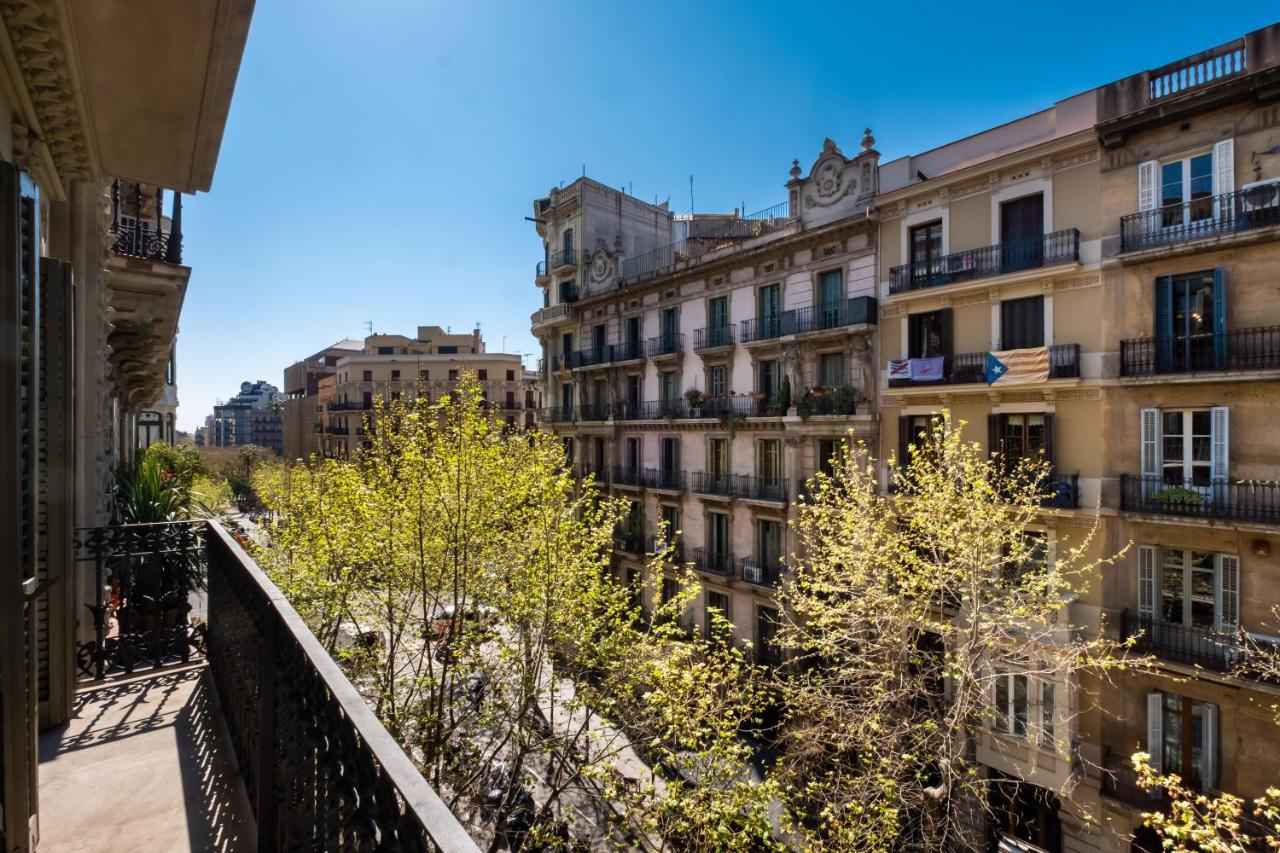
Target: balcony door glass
(671,521)
(1022,323)
(1187,584)
(717,534)
(767,621)
(1188,309)
(768,309)
(599,398)
(827,448)
(1184,728)
(566,401)
(1022,233)
(1186,190)
(633,455)
(718,458)
(717,602)
(597,341)
(831,372)
(1022,436)
(830,298)
(1186,444)
(669,390)
(670,457)
(717,384)
(926,251)
(769,544)
(767,378)
(632,338)
(634,394)
(769,462)
(598,455)
(718,321)
(924,335)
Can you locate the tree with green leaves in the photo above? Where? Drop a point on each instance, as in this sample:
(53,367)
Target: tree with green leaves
(463,577)
(913,619)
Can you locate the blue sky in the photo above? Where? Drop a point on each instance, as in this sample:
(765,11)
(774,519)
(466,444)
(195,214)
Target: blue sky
(380,155)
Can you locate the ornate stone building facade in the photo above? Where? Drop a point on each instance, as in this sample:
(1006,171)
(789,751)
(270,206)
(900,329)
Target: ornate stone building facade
(705,378)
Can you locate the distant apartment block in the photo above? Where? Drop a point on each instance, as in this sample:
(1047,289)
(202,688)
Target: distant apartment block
(250,417)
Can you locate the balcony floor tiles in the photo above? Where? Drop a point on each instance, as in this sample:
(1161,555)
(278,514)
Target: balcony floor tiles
(144,764)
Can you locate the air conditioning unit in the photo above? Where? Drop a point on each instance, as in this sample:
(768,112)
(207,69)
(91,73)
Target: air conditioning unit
(1261,195)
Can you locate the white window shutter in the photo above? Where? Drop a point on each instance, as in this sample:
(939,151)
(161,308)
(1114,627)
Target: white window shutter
(1224,167)
(1209,719)
(1221,442)
(1150,442)
(1148,558)
(1147,189)
(1228,592)
(1155,729)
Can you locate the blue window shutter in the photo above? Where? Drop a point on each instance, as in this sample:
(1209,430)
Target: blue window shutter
(1164,320)
(1220,319)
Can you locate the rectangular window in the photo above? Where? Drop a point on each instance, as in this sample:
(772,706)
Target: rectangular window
(769,462)
(1183,738)
(718,534)
(386,350)
(769,310)
(1186,446)
(424,375)
(670,328)
(827,449)
(925,335)
(598,340)
(632,463)
(718,458)
(1022,323)
(670,589)
(395,376)
(447,350)
(671,521)
(1186,190)
(1047,710)
(926,251)
(718,320)
(482,374)
(831,299)
(511,376)
(831,372)
(1033,558)
(1188,586)
(1023,436)
(717,602)
(669,459)
(1011,703)
(453,375)
(767,378)
(769,543)
(717,384)
(669,387)
(767,621)
(367,376)
(1022,233)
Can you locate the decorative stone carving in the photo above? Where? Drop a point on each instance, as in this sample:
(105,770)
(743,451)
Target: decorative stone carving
(792,365)
(601,267)
(1079,158)
(36,35)
(1079,281)
(860,359)
(831,178)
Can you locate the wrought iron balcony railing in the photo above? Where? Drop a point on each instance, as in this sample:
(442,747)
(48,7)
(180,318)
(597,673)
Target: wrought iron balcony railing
(675,554)
(841,400)
(713,337)
(138,234)
(307,743)
(706,483)
(764,328)
(557,414)
(1060,247)
(594,412)
(540,271)
(144,240)
(713,562)
(971,367)
(666,345)
(1239,349)
(664,479)
(629,542)
(625,476)
(855,311)
(1210,216)
(760,572)
(773,489)
(1242,500)
(1186,644)
(564,258)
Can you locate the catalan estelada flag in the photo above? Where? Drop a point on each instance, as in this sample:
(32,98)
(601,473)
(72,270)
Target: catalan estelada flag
(1018,366)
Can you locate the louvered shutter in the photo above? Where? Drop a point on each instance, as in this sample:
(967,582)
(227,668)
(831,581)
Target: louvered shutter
(1164,323)
(1219,457)
(1228,593)
(1209,719)
(1150,450)
(1224,167)
(1155,729)
(1147,189)
(1148,558)
(1220,320)
(1050,452)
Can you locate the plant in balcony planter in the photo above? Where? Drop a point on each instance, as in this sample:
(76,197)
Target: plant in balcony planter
(843,400)
(784,396)
(1179,495)
(804,406)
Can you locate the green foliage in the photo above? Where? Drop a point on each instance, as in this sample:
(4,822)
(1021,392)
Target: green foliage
(148,492)
(464,578)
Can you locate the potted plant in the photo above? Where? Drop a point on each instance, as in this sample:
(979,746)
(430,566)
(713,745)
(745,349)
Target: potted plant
(804,406)
(1179,496)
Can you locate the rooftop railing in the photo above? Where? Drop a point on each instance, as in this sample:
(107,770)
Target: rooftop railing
(1060,247)
(1210,216)
(706,236)
(1197,71)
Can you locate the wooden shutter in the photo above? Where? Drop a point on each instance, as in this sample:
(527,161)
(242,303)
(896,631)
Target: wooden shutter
(904,439)
(1147,189)
(1164,322)
(1148,559)
(1220,319)
(1050,452)
(993,435)
(944,325)
(1150,443)
(1219,455)
(1155,729)
(1228,592)
(1224,167)
(1209,719)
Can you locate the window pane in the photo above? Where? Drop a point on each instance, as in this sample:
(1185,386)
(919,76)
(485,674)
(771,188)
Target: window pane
(1002,702)
(1172,725)
(1019,704)
(1171,183)
(1171,587)
(1197,743)
(1046,709)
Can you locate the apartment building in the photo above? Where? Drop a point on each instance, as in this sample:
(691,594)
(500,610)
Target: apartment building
(301,404)
(107,117)
(704,366)
(1190,207)
(252,416)
(991,293)
(158,422)
(433,363)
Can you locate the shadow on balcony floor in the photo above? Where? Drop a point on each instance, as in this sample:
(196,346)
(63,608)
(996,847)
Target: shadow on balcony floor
(143,764)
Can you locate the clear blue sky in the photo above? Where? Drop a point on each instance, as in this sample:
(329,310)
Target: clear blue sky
(380,155)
